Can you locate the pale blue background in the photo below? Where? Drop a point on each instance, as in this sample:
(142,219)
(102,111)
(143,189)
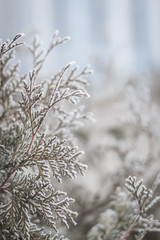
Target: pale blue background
(125,32)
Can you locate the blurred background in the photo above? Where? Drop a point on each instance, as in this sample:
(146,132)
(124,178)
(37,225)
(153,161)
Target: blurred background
(120,39)
(123,33)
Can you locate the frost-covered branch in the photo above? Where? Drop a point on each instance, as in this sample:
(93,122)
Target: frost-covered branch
(30,155)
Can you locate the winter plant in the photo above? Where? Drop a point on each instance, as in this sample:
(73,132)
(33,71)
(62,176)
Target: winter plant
(128,215)
(38,155)
(132,213)
(37,149)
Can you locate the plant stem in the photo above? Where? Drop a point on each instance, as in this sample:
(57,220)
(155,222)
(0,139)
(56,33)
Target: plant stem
(12,171)
(128,232)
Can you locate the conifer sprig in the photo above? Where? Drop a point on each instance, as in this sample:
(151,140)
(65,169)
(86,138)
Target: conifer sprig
(8,45)
(29,154)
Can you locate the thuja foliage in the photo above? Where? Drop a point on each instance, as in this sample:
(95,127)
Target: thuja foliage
(35,147)
(128,215)
(132,213)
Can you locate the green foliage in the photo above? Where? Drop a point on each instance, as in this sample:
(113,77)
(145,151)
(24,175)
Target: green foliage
(34,150)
